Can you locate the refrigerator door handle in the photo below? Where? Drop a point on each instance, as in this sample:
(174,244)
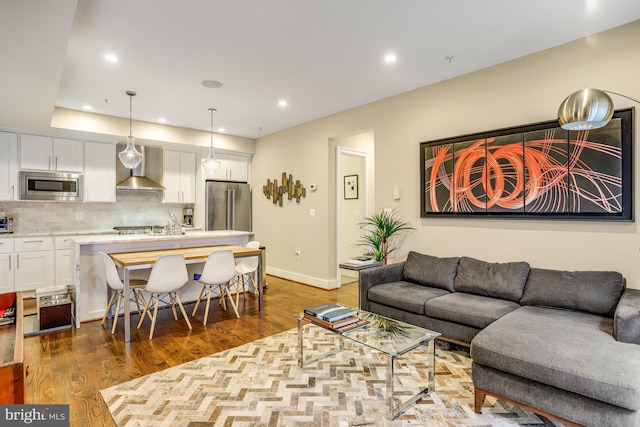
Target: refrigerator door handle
(231,208)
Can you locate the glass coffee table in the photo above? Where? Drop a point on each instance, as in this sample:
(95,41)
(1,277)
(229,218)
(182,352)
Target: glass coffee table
(391,337)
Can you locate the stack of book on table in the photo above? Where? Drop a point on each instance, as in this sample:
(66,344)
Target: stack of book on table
(336,317)
(361,260)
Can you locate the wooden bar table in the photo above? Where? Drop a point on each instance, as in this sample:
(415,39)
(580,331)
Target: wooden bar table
(141,260)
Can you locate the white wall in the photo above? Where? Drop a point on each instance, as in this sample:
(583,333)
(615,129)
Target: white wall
(518,92)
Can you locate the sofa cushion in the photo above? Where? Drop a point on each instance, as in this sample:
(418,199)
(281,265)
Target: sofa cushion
(469,309)
(596,292)
(404,295)
(498,280)
(567,349)
(430,270)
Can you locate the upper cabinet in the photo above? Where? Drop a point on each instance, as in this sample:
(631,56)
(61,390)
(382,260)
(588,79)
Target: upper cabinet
(54,154)
(8,166)
(99,172)
(235,167)
(179,176)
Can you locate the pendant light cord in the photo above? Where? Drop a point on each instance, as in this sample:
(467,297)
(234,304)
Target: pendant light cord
(131,95)
(212,110)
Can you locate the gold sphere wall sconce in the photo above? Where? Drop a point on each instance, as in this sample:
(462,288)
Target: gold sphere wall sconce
(275,192)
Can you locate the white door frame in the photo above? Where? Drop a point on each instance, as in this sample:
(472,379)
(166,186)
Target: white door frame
(340,151)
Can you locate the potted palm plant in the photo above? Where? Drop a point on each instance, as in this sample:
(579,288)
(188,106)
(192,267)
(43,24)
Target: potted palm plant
(380,231)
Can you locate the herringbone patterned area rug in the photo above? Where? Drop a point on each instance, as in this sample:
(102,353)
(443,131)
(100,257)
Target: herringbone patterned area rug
(260,384)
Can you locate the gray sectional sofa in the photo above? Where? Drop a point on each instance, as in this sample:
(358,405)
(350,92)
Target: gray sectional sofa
(563,344)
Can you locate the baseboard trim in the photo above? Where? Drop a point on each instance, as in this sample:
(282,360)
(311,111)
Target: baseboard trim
(301,278)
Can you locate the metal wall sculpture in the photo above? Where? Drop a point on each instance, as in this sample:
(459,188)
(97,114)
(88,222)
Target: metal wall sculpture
(275,192)
(533,171)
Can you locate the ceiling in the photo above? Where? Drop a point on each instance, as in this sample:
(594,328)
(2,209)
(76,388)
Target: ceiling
(322,57)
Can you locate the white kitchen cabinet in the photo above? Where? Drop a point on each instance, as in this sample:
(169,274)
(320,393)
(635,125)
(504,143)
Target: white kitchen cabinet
(64,260)
(34,263)
(99,172)
(8,166)
(53,154)
(7,266)
(179,177)
(235,167)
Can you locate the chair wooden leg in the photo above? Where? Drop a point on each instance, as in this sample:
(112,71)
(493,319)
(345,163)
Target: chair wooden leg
(146,311)
(106,313)
(184,314)
(233,304)
(223,299)
(253,282)
(115,317)
(144,303)
(238,288)
(206,310)
(173,306)
(137,294)
(198,301)
(155,316)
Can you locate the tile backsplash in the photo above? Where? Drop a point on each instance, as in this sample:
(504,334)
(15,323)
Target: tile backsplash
(131,208)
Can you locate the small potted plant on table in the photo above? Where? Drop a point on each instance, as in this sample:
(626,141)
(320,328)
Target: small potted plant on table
(380,230)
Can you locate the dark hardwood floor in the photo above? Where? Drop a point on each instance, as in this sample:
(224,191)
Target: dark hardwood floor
(72,366)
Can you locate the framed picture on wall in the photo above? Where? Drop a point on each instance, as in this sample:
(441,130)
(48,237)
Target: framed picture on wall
(533,171)
(350,187)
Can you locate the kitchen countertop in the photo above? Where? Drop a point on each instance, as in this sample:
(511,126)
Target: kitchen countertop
(61,233)
(116,238)
(112,236)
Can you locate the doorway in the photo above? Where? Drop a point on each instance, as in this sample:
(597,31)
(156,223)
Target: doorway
(353,194)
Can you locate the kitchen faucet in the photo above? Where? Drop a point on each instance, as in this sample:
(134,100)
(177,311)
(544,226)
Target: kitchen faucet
(176,227)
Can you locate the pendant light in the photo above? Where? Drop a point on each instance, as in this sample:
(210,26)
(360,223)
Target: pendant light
(210,164)
(587,109)
(130,157)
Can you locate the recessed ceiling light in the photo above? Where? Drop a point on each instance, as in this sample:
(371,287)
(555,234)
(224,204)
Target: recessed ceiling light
(221,129)
(109,57)
(211,84)
(390,58)
(87,107)
(283,103)
(162,120)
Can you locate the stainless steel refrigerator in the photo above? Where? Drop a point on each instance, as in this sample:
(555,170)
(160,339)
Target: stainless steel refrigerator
(227,206)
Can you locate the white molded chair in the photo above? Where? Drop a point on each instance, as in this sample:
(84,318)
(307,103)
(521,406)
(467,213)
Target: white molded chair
(247,267)
(115,283)
(218,271)
(168,274)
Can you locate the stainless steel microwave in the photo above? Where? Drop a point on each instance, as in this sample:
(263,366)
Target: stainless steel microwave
(59,186)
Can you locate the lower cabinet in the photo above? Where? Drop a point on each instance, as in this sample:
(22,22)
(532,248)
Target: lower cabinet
(34,263)
(29,263)
(64,260)
(6,273)
(7,266)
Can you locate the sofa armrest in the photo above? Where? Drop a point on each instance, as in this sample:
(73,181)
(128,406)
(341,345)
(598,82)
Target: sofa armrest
(373,276)
(626,321)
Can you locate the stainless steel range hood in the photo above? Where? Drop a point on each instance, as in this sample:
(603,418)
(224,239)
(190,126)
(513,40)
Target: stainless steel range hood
(138,180)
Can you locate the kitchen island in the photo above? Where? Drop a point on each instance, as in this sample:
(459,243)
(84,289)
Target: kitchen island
(90,286)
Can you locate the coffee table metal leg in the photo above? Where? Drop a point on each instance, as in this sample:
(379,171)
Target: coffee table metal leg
(301,362)
(392,410)
(391,413)
(300,346)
